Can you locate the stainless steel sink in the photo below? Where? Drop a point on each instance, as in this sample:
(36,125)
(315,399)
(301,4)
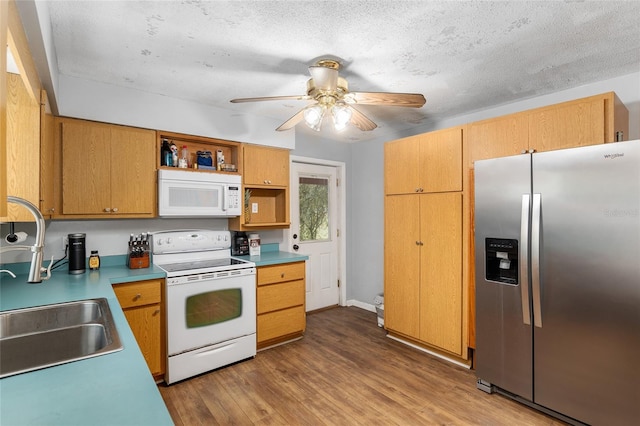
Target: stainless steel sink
(44,336)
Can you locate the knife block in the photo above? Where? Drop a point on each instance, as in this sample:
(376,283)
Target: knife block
(138,260)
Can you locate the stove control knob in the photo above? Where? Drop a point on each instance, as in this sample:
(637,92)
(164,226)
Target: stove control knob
(158,241)
(169,240)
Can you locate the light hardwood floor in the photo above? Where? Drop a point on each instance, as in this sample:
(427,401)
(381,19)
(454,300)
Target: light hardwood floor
(343,372)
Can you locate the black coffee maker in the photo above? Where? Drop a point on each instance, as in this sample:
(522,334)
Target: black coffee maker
(77,254)
(239,244)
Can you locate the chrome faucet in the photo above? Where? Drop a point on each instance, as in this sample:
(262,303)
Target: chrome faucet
(36,269)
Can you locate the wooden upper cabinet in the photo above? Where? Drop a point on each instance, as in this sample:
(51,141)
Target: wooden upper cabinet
(587,121)
(441,160)
(133,172)
(498,137)
(401,166)
(265,166)
(568,125)
(23,148)
(430,162)
(107,170)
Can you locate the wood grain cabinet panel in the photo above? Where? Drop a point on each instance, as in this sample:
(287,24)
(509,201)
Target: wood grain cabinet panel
(441,271)
(498,137)
(423,268)
(107,170)
(265,166)
(280,303)
(402,264)
(23,148)
(430,162)
(142,303)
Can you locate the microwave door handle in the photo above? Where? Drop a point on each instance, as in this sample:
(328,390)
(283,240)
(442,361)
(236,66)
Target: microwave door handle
(225,195)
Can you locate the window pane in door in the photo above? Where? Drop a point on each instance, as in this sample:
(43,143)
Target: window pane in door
(314,208)
(213,307)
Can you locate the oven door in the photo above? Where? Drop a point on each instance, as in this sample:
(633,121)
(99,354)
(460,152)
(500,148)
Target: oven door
(210,311)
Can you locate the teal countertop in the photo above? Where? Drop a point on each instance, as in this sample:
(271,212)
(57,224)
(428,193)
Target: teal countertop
(112,389)
(271,255)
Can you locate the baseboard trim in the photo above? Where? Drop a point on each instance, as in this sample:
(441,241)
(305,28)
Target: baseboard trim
(358,304)
(436,354)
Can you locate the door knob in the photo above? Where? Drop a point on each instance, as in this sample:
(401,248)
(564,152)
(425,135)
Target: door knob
(296,247)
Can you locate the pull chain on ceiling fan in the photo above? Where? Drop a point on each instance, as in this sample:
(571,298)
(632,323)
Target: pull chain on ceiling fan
(331,95)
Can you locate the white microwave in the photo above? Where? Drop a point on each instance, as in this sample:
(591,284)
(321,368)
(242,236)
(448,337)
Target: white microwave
(198,194)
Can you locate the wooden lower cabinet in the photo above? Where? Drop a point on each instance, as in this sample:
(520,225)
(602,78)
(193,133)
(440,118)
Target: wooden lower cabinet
(280,303)
(423,270)
(141,302)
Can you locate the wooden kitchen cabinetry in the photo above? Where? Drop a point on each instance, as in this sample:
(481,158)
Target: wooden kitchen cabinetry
(106,170)
(265,181)
(430,162)
(23,148)
(141,302)
(280,303)
(423,269)
(587,121)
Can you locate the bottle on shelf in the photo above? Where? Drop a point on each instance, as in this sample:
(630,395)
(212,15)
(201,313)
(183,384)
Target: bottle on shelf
(165,157)
(174,155)
(183,163)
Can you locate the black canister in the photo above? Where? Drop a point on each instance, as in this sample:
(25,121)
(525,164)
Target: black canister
(77,254)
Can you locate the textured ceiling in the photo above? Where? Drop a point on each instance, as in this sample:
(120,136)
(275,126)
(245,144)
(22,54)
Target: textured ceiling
(463,56)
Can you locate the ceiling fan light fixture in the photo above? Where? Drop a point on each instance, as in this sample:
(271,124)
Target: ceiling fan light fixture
(313,116)
(341,116)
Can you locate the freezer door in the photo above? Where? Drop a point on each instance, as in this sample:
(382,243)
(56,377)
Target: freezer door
(587,338)
(503,330)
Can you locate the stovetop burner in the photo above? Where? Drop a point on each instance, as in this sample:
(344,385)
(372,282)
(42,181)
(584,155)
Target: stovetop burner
(213,264)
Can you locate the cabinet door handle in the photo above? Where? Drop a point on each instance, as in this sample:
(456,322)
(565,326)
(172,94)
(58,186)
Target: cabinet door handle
(115,209)
(156,312)
(107,209)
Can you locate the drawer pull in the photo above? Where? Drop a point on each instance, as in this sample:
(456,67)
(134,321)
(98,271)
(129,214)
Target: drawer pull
(282,275)
(137,297)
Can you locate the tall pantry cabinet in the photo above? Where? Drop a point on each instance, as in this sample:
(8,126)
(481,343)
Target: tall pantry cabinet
(424,295)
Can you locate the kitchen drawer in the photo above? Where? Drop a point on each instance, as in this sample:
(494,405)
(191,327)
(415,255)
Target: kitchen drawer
(281,323)
(139,293)
(280,296)
(280,273)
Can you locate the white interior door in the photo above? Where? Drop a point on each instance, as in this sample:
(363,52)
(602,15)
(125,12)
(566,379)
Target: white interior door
(314,230)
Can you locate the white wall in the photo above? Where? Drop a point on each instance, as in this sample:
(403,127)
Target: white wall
(91,100)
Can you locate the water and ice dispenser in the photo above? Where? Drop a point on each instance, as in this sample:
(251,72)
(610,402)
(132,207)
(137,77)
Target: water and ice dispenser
(501,257)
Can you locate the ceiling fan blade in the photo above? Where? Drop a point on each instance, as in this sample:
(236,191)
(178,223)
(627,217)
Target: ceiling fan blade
(411,100)
(359,120)
(324,78)
(272,98)
(290,123)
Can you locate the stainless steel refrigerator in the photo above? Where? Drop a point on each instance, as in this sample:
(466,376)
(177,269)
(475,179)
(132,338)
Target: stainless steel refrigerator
(557,237)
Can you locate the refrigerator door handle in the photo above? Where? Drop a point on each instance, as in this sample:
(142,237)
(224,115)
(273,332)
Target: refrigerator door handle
(524,261)
(535,259)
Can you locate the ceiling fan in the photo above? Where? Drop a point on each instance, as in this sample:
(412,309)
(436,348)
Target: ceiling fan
(331,95)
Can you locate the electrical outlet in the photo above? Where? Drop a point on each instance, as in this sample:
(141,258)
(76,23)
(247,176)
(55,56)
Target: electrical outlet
(65,242)
(254,207)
